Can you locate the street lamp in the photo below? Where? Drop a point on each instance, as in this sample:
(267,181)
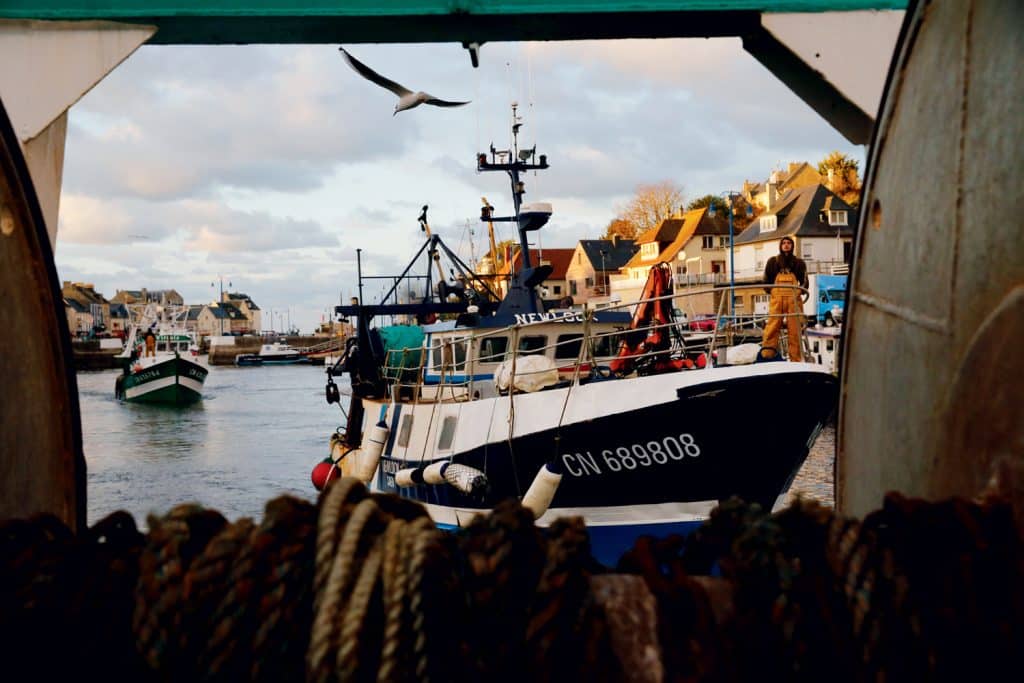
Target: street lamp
(604,274)
(728,196)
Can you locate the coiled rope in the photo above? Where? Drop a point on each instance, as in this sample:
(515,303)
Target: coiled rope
(363,587)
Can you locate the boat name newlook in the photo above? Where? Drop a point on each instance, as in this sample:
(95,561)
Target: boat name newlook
(630,457)
(551,317)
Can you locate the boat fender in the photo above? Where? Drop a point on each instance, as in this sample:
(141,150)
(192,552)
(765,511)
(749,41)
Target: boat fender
(372,447)
(323,472)
(542,491)
(410,476)
(466,479)
(434,474)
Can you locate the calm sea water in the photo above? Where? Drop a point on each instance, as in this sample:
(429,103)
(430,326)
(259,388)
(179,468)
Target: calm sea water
(256,434)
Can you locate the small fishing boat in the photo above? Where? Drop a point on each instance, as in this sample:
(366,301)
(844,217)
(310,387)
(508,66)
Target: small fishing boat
(277,353)
(615,415)
(159,358)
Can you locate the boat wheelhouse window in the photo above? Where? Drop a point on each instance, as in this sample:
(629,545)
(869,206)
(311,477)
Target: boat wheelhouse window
(606,345)
(404,431)
(492,349)
(568,346)
(450,354)
(533,343)
(444,442)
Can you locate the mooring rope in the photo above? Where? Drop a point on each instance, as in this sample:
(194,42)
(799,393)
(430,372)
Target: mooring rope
(363,586)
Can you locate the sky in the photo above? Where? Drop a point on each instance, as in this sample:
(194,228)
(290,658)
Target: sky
(264,168)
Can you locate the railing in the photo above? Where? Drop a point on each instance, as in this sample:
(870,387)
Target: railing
(455,373)
(689,280)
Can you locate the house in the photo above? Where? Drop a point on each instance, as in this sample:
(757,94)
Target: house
(147,296)
(80,318)
(222,318)
(85,295)
(820,223)
(695,244)
(247,306)
(192,320)
(555,288)
(591,264)
(120,320)
(765,195)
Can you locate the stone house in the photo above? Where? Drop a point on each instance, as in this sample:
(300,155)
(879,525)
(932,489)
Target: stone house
(245,304)
(591,265)
(85,294)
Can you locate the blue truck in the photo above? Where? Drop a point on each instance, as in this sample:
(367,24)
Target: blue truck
(827,301)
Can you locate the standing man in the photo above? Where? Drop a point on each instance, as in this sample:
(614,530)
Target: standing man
(785,269)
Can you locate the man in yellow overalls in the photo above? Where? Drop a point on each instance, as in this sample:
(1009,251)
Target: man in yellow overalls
(785,269)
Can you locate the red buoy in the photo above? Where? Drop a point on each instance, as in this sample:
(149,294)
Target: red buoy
(323,473)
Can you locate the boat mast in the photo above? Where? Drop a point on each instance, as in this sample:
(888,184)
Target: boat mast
(513,161)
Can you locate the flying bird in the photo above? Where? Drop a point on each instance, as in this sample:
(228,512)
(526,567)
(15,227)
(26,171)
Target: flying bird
(407,99)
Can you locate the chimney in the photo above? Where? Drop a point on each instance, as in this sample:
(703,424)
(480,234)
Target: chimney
(831,178)
(615,239)
(772,191)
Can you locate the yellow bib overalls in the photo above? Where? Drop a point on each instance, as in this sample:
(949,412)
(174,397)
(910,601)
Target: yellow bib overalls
(785,301)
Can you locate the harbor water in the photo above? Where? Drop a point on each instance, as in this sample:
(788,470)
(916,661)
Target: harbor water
(256,434)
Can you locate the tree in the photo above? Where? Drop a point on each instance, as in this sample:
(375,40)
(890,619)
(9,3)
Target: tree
(740,220)
(620,227)
(843,179)
(650,205)
(701,202)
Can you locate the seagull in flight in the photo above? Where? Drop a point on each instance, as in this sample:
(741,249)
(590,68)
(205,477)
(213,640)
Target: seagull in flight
(407,99)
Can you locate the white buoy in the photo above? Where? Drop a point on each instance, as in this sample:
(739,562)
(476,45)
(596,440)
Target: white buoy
(434,474)
(372,447)
(410,476)
(542,491)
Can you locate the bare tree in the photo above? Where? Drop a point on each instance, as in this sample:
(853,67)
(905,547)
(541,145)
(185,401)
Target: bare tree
(650,205)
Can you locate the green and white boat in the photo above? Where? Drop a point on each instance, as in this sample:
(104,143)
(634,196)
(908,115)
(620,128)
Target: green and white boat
(169,374)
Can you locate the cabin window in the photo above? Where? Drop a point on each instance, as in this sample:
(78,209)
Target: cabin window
(444,442)
(837,218)
(532,344)
(451,355)
(492,349)
(606,345)
(404,431)
(568,346)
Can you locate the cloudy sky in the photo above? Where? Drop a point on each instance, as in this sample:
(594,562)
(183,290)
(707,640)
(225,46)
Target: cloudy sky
(270,165)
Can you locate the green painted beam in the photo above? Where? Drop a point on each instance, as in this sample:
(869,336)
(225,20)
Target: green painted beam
(383,21)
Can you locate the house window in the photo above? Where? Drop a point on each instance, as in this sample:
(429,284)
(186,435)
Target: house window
(590,282)
(723,241)
(444,442)
(404,431)
(759,257)
(815,347)
(837,218)
(579,259)
(557,289)
(768,223)
(707,242)
(806,250)
(572,288)
(649,250)
(830,345)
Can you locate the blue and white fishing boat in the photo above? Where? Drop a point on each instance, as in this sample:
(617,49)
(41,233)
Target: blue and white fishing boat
(611,415)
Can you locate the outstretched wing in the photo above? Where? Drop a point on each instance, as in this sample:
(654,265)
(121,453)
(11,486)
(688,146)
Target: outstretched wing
(442,103)
(371,75)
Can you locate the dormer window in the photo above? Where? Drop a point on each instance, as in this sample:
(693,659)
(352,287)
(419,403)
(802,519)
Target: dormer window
(837,218)
(649,251)
(768,223)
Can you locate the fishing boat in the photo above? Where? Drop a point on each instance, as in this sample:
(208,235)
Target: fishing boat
(277,353)
(468,398)
(159,358)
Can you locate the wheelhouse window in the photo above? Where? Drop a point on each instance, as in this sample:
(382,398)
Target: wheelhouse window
(568,346)
(532,344)
(449,354)
(492,349)
(606,345)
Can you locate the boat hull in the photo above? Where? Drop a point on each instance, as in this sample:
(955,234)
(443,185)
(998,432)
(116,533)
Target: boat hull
(658,467)
(175,381)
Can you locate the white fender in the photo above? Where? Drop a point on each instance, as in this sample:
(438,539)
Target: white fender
(434,474)
(408,477)
(542,491)
(465,478)
(372,447)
